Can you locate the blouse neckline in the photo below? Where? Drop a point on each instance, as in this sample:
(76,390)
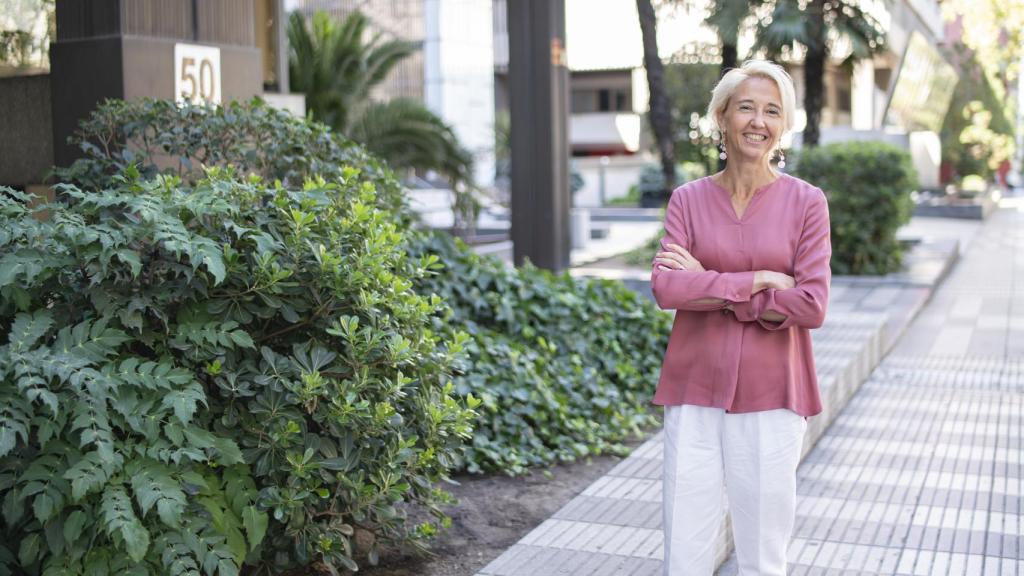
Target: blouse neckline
(728,195)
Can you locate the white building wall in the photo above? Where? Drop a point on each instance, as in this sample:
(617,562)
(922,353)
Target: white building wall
(459,74)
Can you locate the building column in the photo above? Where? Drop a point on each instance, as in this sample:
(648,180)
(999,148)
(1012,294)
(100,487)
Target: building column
(539,94)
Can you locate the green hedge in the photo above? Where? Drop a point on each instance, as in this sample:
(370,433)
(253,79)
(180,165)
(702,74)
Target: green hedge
(161,137)
(197,377)
(564,367)
(305,337)
(868,185)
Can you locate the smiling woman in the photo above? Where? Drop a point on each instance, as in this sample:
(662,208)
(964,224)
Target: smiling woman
(745,264)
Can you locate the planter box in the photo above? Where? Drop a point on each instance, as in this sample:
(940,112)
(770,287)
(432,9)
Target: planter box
(952,207)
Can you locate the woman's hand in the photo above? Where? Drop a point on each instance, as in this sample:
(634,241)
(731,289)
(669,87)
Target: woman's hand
(764,279)
(677,258)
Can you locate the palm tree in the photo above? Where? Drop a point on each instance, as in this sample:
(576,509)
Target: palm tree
(660,115)
(812,27)
(726,18)
(337,70)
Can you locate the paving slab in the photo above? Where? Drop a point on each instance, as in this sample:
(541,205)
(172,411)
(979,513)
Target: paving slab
(902,472)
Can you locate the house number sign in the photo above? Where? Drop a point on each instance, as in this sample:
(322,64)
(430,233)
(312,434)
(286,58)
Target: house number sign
(197,74)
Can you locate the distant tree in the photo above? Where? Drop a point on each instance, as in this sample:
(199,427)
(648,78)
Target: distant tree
(334,65)
(811,23)
(727,18)
(689,86)
(660,115)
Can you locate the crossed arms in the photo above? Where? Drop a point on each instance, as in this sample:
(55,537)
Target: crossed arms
(775,300)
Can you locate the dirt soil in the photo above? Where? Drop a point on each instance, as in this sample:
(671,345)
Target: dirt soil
(492,514)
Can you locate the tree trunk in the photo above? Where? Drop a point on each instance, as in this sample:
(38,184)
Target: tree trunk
(660,115)
(814,71)
(730,58)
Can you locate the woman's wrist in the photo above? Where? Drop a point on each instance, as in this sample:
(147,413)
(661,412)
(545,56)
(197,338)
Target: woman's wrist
(759,282)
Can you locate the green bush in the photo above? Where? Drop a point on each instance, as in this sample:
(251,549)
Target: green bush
(161,137)
(868,185)
(587,352)
(652,185)
(564,368)
(197,377)
(644,255)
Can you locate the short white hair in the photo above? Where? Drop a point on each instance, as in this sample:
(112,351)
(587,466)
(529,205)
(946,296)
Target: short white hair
(732,79)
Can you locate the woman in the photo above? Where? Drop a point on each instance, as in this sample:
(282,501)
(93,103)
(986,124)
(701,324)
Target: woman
(745,262)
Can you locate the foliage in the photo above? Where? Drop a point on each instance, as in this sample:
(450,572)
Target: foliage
(659,113)
(632,198)
(977,135)
(197,377)
(868,185)
(597,362)
(727,18)
(791,23)
(644,255)
(337,68)
(994,31)
(564,368)
(161,137)
(819,26)
(652,184)
(690,87)
(29,28)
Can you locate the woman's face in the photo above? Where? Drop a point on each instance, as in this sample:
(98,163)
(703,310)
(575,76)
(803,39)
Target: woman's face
(752,120)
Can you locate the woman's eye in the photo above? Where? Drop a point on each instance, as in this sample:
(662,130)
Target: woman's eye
(773,112)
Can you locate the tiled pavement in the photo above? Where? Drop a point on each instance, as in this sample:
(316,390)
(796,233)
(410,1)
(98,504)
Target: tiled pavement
(921,472)
(614,526)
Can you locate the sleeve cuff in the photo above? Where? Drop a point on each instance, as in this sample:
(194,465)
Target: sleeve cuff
(750,310)
(767,304)
(739,287)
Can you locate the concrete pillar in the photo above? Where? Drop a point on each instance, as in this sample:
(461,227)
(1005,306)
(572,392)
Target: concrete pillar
(539,93)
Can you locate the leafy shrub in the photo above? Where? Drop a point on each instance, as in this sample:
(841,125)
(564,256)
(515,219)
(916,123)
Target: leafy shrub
(564,368)
(652,185)
(162,137)
(644,255)
(868,185)
(197,377)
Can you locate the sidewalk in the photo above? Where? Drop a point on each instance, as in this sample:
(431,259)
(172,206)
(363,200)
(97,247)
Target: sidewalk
(920,473)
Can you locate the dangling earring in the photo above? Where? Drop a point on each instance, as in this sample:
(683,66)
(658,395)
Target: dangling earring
(722,155)
(782,159)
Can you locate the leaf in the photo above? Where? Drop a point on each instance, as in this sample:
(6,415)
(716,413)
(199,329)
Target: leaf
(73,526)
(120,521)
(242,338)
(227,452)
(28,552)
(255,523)
(10,267)
(9,432)
(43,506)
(184,401)
(153,484)
(91,473)
(28,328)
(131,258)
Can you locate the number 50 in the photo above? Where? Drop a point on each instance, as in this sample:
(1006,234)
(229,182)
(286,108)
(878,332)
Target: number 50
(207,85)
(197,73)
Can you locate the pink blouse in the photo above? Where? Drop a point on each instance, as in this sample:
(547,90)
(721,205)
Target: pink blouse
(737,360)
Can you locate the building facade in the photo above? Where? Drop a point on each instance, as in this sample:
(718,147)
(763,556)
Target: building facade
(214,51)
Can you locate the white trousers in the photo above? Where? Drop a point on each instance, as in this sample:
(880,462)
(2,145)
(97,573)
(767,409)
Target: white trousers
(754,457)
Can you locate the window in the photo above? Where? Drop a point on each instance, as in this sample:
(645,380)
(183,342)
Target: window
(588,100)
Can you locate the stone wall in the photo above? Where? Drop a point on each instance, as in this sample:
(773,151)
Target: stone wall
(26,130)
